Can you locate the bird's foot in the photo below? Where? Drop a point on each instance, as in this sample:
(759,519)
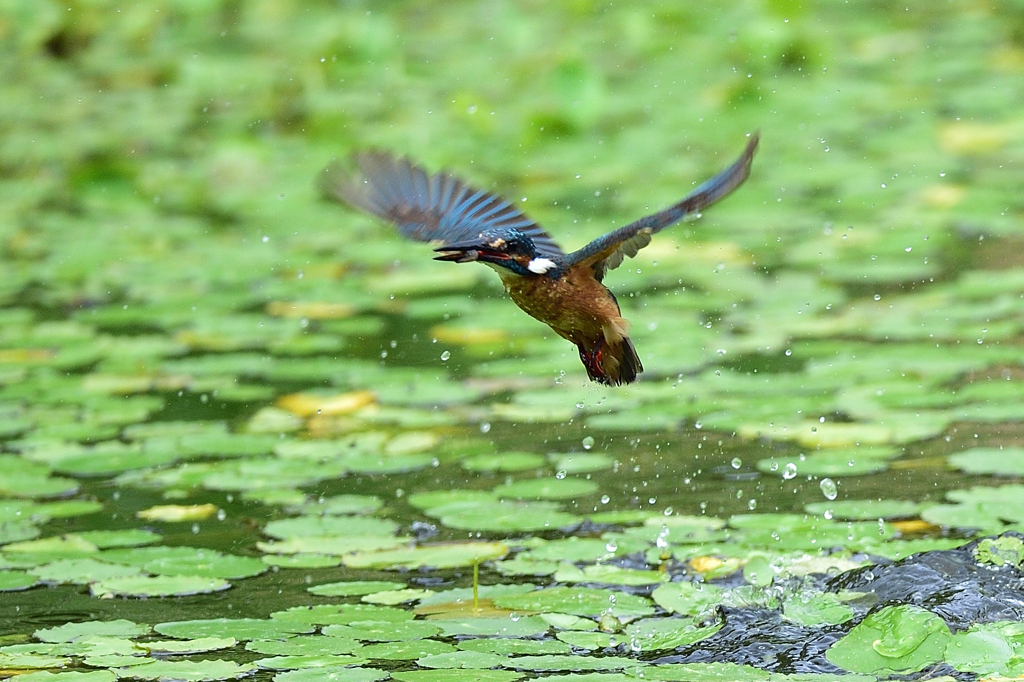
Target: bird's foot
(592,360)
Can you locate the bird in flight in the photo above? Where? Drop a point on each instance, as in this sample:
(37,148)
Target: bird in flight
(564,291)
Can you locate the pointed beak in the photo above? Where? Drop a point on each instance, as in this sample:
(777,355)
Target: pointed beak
(460,252)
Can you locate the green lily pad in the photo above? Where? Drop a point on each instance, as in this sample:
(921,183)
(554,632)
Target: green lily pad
(446,675)
(105,628)
(332,673)
(686,598)
(92,676)
(816,609)
(556,662)
(240,629)
(405,650)
(472,660)
(191,671)
(305,645)
(438,556)
(654,634)
(1005,461)
(296,662)
(580,601)
(608,574)
(189,646)
(340,614)
(82,571)
(384,631)
(13,581)
(158,586)
(187,561)
(514,647)
(504,516)
(513,626)
(893,640)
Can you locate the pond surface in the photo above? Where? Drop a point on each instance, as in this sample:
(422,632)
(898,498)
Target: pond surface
(225,398)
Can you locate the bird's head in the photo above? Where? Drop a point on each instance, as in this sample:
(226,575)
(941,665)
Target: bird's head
(508,252)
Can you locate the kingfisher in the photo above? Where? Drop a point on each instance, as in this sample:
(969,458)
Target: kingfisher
(564,291)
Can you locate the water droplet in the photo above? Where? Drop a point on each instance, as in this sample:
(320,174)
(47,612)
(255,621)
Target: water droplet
(669,511)
(605,499)
(829,488)
(560,474)
(736,463)
(445,355)
(789,471)
(751,504)
(485,427)
(588,442)
(611,546)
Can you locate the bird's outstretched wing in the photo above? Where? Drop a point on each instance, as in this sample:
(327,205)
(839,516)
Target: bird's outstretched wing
(438,207)
(607,252)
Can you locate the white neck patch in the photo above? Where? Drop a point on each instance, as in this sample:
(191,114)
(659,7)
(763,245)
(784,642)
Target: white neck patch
(540,265)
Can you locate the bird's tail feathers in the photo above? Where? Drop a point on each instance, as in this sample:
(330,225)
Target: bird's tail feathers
(627,361)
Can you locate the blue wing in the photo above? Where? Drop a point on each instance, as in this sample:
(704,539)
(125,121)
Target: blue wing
(607,252)
(439,207)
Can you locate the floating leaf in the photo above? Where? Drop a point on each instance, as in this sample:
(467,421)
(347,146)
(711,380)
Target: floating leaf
(191,671)
(892,640)
(158,586)
(332,673)
(438,556)
(240,629)
(103,628)
(580,601)
(12,581)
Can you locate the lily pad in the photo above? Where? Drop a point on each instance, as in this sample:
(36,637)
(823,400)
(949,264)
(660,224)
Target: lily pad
(240,629)
(158,586)
(332,673)
(892,640)
(438,556)
(105,628)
